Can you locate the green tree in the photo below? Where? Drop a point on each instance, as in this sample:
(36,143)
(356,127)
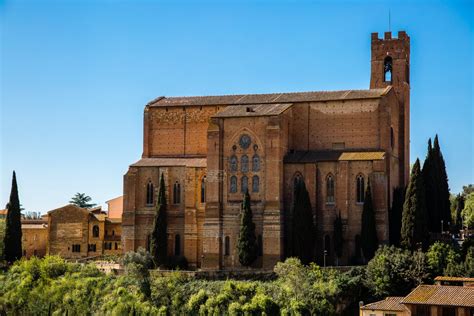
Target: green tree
(303,225)
(247,242)
(394,271)
(2,236)
(468,211)
(158,240)
(439,255)
(437,194)
(82,200)
(395,216)
(414,231)
(338,238)
(12,238)
(368,234)
(459,203)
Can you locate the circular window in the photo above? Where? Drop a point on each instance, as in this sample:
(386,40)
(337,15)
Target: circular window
(245,141)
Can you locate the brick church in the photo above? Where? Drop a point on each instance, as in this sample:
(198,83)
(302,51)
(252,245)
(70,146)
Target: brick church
(210,149)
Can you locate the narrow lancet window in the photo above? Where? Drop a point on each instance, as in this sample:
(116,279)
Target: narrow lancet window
(387,69)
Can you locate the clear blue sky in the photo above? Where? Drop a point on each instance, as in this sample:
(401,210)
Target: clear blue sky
(75,76)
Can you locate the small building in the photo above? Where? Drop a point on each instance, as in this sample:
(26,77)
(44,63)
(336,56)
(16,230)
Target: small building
(3,214)
(34,237)
(390,306)
(115,207)
(440,300)
(76,233)
(460,281)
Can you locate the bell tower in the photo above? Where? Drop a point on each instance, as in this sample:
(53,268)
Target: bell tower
(390,66)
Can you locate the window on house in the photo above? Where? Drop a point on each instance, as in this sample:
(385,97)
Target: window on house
(360,189)
(76,248)
(95,231)
(176,193)
(149,193)
(387,69)
(233,184)
(203,189)
(330,189)
(244,161)
(113,232)
(177,245)
(244,185)
(255,184)
(233,164)
(35,252)
(226,246)
(116,246)
(260,245)
(255,163)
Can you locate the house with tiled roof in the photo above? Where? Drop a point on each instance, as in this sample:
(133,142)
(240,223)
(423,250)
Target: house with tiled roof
(428,300)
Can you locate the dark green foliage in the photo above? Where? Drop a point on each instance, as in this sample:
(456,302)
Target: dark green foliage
(368,233)
(303,225)
(395,272)
(158,238)
(12,238)
(82,200)
(395,216)
(247,242)
(436,188)
(414,233)
(338,238)
(459,206)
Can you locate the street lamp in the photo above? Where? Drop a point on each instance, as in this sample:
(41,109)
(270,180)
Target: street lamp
(325,254)
(441,227)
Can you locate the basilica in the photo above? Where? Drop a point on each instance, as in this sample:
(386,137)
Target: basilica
(211,149)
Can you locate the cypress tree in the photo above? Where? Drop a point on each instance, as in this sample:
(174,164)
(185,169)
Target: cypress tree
(338,238)
(414,231)
(247,242)
(459,203)
(303,226)
(395,216)
(369,230)
(430,190)
(12,238)
(441,177)
(158,240)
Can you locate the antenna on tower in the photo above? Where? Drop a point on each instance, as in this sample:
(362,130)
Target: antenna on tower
(389,22)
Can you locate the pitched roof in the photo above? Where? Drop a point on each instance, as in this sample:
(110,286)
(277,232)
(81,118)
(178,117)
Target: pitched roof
(441,295)
(391,303)
(332,155)
(454,279)
(291,97)
(171,162)
(254,110)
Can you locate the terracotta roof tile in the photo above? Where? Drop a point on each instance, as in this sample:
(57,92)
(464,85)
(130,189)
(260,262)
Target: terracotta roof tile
(332,155)
(254,110)
(168,162)
(391,303)
(241,99)
(441,295)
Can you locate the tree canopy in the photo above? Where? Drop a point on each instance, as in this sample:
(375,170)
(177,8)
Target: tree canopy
(12,238)
(82,200)
(247,242)
(158,238)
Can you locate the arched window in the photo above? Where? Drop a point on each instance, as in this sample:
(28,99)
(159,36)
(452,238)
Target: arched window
(360,189)
(330,189)
(387,69)
(233,184)
(95,231)
(176,193)
(255,163)
(203,189)
(255,184)
(233,164)
(327,245)
(392,138)
(177,245)
(113,232)
(244,161)
(226,246)
(244,185)
(297,178)
(260,245)
(149,193)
